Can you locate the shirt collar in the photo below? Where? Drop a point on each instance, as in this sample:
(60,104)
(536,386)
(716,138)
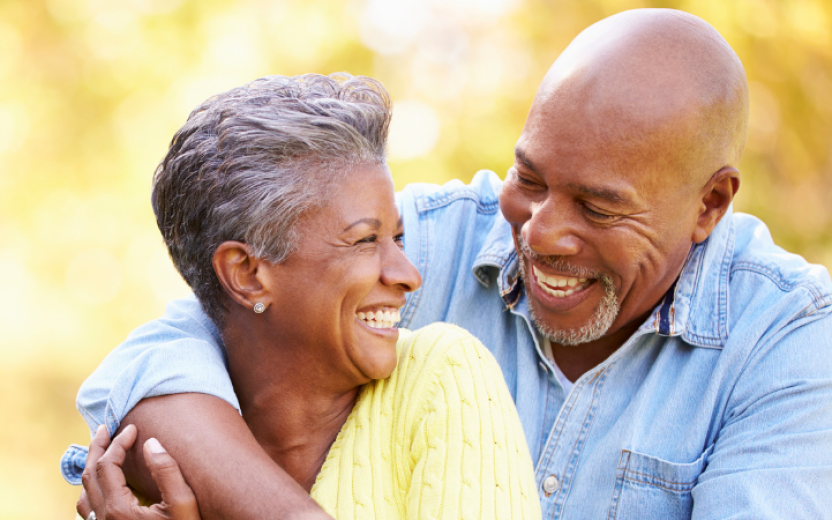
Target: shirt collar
(695,307)
(497,259)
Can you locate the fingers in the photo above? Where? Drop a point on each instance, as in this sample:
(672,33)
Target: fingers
(111,480)
(177,496)
(83,505)
(89,478)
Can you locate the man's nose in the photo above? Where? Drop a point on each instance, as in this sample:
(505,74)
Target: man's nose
(551,231)
(399,271)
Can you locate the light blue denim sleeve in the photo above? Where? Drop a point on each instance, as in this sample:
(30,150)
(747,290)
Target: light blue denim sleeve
(773,456)
(180,352)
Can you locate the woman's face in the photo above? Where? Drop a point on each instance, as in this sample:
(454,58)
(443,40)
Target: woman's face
(339,294)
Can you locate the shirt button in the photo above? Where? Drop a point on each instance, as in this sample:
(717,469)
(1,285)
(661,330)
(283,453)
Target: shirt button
(550,485)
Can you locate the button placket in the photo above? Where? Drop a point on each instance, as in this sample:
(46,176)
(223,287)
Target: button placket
(550,485)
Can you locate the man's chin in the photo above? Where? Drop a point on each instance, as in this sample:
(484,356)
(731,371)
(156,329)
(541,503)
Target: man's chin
(593,329)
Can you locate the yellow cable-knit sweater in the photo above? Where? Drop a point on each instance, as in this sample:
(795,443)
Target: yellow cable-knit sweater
(439,438)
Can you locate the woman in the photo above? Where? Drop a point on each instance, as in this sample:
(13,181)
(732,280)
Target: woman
(278,209)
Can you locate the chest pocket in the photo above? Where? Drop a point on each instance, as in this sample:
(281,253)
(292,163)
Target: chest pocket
(648,487)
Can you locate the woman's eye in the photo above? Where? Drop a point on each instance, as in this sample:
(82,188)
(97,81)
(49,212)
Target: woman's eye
(399,239)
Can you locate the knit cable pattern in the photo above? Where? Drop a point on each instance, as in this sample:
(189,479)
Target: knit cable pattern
(438,439)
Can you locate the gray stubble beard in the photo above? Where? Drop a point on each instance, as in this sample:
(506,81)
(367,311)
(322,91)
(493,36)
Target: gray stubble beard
(599,324)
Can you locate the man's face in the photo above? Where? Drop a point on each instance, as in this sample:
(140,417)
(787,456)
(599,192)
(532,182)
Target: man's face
(601,223)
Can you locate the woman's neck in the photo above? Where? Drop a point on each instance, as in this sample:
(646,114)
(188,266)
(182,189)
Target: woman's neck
(286,403)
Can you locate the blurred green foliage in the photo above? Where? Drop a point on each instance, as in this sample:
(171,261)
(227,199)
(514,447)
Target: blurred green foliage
(92,90)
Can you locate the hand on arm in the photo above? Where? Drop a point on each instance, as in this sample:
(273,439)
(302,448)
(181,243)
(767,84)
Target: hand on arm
(106,491)
(230,474)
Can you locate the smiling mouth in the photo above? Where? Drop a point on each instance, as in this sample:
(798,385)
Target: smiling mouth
(560,286)
(384,318)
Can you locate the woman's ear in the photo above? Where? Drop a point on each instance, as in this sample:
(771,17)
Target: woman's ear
(716,197)
(240,273)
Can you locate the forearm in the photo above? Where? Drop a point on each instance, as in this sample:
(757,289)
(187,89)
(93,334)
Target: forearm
(230,474)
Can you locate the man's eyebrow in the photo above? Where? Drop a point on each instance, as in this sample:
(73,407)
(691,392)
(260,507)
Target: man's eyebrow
(521,156)
(374,222)
(608,194)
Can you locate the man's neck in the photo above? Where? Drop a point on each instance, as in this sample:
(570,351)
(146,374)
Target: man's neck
(576,360)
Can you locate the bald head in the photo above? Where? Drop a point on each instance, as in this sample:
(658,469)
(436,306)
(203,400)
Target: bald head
(657,78)
(628,158)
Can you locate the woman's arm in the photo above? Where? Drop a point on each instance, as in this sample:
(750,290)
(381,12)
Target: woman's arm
(230,474)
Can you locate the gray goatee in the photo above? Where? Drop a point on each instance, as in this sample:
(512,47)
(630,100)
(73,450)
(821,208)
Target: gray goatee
(600,322)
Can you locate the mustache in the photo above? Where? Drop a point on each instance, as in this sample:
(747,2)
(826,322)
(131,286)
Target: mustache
(558,263)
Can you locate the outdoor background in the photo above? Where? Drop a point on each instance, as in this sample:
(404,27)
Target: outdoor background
(91,92)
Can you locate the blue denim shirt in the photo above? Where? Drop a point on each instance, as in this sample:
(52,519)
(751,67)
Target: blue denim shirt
(720,405)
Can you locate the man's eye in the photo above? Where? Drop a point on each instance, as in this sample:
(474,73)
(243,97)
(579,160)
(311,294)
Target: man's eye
(523,181)
(368,240)
(603,217)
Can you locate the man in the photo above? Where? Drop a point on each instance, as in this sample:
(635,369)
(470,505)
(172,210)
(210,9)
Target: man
(666,359)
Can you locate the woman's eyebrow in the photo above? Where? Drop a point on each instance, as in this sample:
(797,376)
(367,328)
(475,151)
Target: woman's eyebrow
(374,222)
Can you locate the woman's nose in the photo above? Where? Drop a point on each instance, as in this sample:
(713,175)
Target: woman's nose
(399,271)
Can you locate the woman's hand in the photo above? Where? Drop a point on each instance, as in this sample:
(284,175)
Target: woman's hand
(106,491)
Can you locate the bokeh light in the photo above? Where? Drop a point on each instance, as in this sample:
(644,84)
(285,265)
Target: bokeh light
(91,92)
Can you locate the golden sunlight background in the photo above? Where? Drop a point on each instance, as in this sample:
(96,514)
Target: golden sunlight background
(92,90)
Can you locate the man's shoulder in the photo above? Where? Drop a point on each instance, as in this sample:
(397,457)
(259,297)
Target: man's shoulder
(773,271)
(481,194)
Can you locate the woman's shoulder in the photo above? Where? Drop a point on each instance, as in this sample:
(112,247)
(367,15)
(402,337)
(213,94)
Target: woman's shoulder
(439,343)
(438,355)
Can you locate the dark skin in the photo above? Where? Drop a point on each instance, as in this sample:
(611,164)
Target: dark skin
(629,156)
(617,176)
(297,367)
(296,393)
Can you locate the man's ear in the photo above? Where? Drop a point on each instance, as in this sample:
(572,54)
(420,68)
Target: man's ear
(240,273)
(715,198)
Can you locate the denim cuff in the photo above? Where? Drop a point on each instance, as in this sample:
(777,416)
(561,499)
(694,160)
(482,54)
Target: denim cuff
(73,463)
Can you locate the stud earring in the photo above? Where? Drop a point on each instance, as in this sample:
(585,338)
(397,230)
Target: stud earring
(259,307)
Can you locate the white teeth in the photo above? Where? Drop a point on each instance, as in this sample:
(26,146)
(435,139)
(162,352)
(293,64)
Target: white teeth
(549,283)
(381,319)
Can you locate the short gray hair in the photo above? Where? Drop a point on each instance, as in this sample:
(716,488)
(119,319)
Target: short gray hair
(251,161)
